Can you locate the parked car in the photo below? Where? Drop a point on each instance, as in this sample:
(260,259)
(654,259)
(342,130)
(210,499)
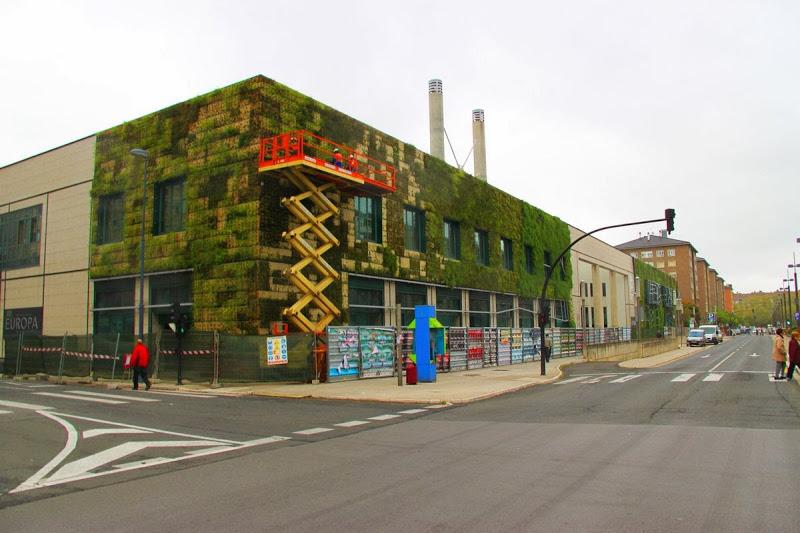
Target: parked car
(713,334)
(696,337)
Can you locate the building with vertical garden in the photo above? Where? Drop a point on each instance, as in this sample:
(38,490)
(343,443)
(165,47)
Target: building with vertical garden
(214,225)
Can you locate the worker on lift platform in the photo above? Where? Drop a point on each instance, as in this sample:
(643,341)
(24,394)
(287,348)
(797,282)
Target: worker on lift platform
(352,163)
(337,158)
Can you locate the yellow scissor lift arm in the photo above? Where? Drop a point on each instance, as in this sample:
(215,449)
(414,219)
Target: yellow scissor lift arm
(315,166)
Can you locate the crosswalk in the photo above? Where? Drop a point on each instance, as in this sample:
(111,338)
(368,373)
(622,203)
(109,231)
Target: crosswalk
(673,377)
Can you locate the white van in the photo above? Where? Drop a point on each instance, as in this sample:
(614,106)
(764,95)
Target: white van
(712,333)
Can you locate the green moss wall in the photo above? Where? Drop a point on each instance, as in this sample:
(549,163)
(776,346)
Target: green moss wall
(655,316)
(232,236)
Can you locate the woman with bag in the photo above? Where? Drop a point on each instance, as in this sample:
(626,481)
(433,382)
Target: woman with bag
(779,354)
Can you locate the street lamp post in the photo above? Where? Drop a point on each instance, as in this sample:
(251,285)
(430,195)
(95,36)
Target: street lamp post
(794,265)
(144,154)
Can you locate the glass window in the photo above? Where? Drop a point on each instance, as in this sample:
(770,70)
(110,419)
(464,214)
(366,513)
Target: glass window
(414,225)
(603,285)
(114,306)
(529,259)
(110,217)
(409,295)
(452,239)
(20,233)
(481,247)
(561,312)
(366,301)
(671,252)
(448,306)
(368,222)
(168,206)
(165,290)
(480,315)
(548,262)
(659,253)
(504,304)
(605,317)
(634,255)
(507,253)
(647,254)
(526,313)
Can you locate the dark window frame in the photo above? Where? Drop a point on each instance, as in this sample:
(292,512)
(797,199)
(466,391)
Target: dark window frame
(414,228)
(166,218)
(110,218)
(452,243)
(507,253)
(481,242)
(368,218)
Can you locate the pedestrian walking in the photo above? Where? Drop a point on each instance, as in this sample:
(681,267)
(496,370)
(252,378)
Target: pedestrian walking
(794,353)
(140,358)
(779,354)
(548,347)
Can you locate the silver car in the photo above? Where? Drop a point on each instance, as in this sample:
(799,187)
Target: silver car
(696,337)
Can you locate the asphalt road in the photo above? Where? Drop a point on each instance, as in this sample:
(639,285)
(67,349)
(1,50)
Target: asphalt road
(707,443)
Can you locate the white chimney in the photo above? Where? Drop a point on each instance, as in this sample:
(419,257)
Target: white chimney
(479,144)
(436,118)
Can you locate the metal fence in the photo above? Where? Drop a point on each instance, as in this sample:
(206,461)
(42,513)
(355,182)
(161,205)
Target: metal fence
(342,353)
(205,357)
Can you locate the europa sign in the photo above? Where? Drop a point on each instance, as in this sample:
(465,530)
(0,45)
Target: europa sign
(26,320)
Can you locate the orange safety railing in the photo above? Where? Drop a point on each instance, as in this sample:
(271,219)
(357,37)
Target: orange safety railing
(301,145)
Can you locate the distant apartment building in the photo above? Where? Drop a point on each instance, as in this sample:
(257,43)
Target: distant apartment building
(703,286)
(672,256)
(728,298)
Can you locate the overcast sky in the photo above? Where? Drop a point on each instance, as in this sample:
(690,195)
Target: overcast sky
(598,112)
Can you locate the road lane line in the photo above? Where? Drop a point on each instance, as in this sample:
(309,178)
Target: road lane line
(411,411)
(352,423)
(626,378)
(186,394)
(720,363)
(3,412)
(684,377)
(69,397)
(598,379)
(113,396)
(436,406)
(383,417)
(713,377)
(20,405)
(312,431)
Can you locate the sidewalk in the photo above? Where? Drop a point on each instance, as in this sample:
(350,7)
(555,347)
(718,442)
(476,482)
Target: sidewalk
(450,387)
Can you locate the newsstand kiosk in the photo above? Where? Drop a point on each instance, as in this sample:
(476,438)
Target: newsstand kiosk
(426,362)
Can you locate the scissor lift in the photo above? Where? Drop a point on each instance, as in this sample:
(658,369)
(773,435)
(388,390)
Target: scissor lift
(316,165)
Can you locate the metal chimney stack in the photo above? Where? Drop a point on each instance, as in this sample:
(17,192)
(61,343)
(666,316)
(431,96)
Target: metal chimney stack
(436,118)
(479,144)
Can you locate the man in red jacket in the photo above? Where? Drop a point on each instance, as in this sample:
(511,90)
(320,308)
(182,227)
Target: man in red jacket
(140,358)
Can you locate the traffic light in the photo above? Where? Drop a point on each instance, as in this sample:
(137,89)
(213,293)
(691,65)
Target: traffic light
(669,214)
(183,325)
(175,314)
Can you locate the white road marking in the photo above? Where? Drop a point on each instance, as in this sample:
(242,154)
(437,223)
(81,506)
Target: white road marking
(72,440)
(352,423)
(626,378)
(195,452)
(411,411)
(85,465)
(113,396)
(754,355)
(684,377)
(186,394)
(19,405)
(40,386)
(383,417)
(572,380)
(89,433)
(312,431)
(704,356)
(436,406)
(3,412)
(713,377)
(720,363)
(153,430)
(598,379)
(68,397)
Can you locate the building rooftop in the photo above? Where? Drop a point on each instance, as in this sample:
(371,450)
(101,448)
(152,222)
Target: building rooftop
(652,241)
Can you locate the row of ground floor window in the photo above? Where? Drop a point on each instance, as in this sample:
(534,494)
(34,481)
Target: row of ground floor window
(370,302)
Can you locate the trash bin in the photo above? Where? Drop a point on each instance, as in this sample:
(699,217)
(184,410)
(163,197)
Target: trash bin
(411,373)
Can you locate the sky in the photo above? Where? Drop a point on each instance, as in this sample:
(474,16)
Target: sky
(598,112)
